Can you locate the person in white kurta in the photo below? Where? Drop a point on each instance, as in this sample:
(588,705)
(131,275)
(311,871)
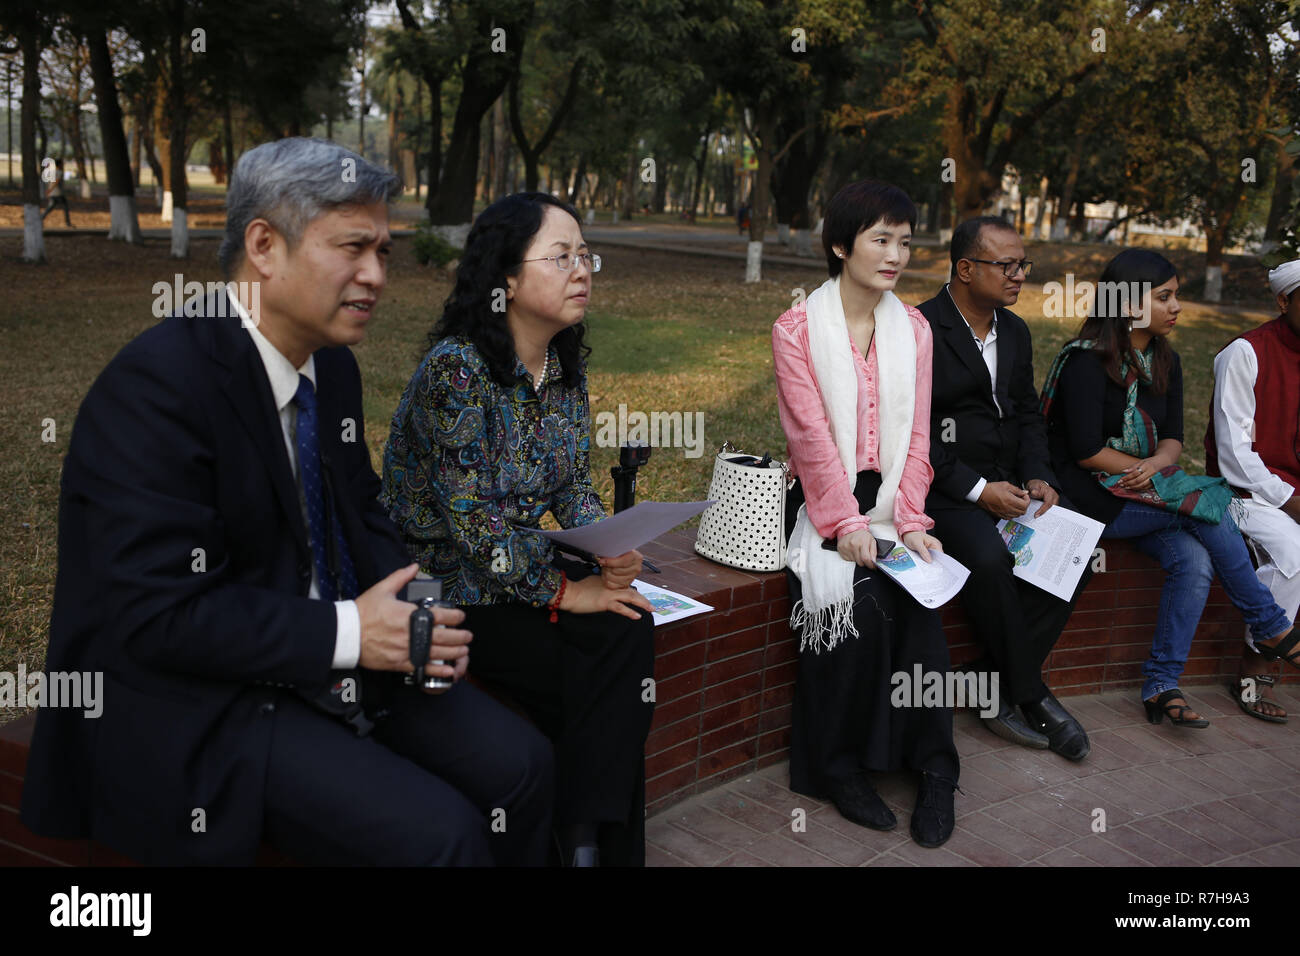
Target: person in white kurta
(1271,519)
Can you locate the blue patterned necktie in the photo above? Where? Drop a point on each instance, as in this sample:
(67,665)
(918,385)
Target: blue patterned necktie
(322,524)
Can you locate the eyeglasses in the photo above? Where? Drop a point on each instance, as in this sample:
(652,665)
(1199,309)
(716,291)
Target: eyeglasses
(565,261)
(1009,268)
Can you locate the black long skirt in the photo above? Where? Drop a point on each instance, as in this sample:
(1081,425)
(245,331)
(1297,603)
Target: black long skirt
(843,719)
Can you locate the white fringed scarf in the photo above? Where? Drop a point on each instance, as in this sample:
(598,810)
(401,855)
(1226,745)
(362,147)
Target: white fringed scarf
(825,611)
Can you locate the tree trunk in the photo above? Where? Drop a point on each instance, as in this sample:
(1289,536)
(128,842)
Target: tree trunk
(1215,239)
(160,162)
(1067,193)
(228,138)
(179,120)
(1041,211)
(628,206)
(1283,187)
(578,176)
(759,194)
(33,228)
(659,195)
(123,221)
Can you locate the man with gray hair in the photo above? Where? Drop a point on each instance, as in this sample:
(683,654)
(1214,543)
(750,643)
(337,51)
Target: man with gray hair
(224,562)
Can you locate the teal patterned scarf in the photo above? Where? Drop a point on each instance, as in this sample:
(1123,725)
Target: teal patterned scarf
(1197,496)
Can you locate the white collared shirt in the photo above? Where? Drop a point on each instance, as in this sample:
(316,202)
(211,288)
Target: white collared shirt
(1235,370)
(988,349)
(283,378)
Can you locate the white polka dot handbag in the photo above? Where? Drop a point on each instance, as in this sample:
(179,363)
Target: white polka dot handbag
(746,527)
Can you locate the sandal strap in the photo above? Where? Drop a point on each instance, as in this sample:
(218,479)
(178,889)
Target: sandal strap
(1284,650)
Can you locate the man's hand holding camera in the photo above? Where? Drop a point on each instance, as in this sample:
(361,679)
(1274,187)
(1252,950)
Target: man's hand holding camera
(385,631)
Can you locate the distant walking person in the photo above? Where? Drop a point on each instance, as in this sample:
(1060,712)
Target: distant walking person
(55,195)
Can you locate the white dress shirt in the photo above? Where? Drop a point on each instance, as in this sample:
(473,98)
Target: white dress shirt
(988,349)
(1235,370)
(283,378)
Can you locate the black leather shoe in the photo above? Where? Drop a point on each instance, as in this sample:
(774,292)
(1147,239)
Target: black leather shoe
(1009,725)
(934,815)
(1065,735)
(858,802)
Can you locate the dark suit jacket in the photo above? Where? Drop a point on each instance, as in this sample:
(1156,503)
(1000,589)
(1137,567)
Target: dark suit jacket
(177,447)
(1011,446)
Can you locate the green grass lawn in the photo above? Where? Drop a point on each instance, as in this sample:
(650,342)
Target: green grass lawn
(669,333)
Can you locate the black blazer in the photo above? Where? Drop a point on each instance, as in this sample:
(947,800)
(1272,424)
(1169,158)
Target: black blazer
(1011,446)
(178,447)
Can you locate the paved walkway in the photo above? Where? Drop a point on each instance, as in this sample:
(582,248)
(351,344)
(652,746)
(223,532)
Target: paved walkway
(1228,795)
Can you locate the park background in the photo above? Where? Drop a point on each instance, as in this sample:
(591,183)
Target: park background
(1089,124)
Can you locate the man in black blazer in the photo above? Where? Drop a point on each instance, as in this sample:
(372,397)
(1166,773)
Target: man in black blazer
(988,448)
(223,560)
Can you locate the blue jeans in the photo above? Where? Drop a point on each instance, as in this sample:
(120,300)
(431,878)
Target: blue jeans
(1192,552)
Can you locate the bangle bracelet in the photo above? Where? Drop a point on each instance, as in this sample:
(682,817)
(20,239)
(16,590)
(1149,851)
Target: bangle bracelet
(554,606)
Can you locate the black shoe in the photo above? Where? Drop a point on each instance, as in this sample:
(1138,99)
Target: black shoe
(858,802)
(1065,735)
(934,815)
(1010,725)
(576,845)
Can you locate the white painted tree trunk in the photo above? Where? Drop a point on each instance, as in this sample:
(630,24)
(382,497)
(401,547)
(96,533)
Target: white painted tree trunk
(85,189)
(456,235)
(167,206)
(616,217)
(180,235)
(124,224)
(803,243)
(33,234)
(591,216)
(1213,283)
(1058,229)
(783,233)
(945,236)
(754,262)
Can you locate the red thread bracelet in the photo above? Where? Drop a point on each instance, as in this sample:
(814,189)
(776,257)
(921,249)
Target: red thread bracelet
(554,606)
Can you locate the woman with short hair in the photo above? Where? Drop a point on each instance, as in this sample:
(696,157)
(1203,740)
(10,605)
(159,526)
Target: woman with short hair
(853,367)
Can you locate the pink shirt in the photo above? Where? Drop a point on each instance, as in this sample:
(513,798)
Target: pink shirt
(813,457)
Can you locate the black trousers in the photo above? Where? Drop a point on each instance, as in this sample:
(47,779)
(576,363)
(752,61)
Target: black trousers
(1017,623)
(581,680)
(452,779)
(843,719)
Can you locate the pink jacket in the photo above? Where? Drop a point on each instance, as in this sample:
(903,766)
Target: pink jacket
(813,457)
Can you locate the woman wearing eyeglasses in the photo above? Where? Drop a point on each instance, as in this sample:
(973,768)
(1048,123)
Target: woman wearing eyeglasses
(1114,405)
(492,432)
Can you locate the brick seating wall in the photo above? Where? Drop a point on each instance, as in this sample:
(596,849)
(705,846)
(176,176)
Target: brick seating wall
(725,680)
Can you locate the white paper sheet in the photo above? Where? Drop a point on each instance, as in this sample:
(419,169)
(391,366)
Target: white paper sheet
(669,605)
(934,584)
(1051,552)
(628,530)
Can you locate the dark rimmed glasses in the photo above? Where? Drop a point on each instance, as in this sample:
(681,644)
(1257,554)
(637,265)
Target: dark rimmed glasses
(1009,269)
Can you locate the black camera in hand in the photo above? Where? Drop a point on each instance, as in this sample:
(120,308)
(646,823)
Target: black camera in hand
(426,592)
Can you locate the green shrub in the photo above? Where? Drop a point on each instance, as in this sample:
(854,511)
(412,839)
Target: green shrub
(432,248)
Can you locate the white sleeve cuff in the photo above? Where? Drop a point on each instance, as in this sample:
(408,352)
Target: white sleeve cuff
(974,494)
(347,639)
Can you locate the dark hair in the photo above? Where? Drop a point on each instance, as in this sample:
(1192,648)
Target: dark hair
(966,237)
(856,208)
(493,251)
(1108,323)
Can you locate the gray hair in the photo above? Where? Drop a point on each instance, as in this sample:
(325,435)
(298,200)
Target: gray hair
(292,181)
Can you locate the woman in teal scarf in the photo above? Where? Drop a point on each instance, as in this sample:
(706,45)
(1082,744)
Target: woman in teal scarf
(1114,404)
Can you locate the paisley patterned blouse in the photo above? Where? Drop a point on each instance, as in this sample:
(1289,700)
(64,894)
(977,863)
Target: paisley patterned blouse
(471,466)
